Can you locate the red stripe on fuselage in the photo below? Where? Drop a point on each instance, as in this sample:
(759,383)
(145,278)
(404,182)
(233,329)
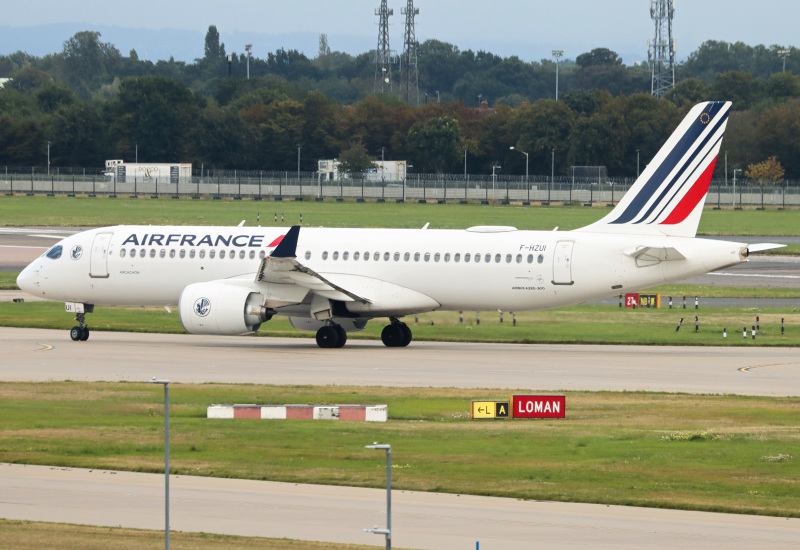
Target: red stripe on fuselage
(692,197)
(276,242)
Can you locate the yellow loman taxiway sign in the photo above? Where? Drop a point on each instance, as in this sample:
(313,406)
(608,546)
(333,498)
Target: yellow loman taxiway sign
(490,409)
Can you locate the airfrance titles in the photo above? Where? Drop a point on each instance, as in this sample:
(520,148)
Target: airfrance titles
(253,241)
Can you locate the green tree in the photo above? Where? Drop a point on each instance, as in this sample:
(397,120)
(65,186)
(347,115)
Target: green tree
(768,171)
(783,86)
(687,92)
(354,161)
(436,144)
(739,87)
(88,63)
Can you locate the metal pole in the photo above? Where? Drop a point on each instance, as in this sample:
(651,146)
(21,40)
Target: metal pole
(166,458)
(388,530)
(298,162)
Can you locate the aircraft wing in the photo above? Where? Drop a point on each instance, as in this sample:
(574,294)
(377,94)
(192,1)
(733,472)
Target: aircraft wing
(282,267)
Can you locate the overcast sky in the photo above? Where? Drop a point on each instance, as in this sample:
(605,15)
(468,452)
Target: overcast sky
(528,29)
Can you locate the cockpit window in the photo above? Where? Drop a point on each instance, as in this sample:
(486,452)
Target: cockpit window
(54,253)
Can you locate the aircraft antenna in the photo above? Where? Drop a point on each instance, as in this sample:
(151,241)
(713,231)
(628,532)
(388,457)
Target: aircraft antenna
(383,54)
(409,72)
(661,52)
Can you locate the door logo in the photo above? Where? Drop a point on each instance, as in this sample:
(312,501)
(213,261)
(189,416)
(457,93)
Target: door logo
(202,307)
(76,252)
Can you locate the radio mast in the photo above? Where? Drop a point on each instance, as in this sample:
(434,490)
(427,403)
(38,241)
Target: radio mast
(661,52)
(409,60)
(383,55)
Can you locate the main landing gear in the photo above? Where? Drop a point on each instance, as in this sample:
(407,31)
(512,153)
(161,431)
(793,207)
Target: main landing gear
(80,333)
(331,336)
(396,335)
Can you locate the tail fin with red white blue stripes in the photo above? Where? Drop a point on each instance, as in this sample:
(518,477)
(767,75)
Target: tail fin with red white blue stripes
(668,197)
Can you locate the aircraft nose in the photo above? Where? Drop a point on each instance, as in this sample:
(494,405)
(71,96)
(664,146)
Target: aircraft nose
(27,279)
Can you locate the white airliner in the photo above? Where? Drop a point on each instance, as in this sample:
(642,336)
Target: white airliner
(228,280)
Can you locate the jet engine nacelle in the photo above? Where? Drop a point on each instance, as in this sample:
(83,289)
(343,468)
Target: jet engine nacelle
(221,308)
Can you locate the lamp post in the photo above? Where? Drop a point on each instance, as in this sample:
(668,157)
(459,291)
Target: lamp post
(166,457)
(388,530)
(137,151)
(48,158)
(637,163)
(298,161)
(734,185)
(557,54)
(526,170)
(248,48)
(784,54)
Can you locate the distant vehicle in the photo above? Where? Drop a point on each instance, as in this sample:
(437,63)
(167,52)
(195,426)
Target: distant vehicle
(230,280)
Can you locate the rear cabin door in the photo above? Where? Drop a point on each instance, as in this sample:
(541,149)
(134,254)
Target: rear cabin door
(562,263)
(99,260)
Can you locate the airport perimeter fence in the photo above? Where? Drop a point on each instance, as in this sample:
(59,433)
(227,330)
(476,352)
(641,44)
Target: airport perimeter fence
(435,188)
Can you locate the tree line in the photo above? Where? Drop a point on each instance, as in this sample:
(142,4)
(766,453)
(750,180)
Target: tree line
(91,103)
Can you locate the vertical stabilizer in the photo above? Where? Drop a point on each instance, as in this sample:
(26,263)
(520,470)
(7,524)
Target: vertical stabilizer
(668,197)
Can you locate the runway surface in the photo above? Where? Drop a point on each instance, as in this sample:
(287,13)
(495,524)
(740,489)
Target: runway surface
(37,355)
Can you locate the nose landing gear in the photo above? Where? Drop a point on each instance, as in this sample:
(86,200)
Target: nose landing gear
(80,333)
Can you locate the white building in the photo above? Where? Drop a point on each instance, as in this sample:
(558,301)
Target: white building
(384,170)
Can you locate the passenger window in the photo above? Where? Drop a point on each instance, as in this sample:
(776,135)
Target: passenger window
(142,253)
(487,258)
(356,255)
(519,258)
(540,259)
(308,255)
(447,257)
(122,253)
(152,252)
(55,252)
(172,253)
(183,254)
(427,256)
(436,257)
(366,256)
(467,257)
(406,256)
(530,258)
(162,254)
(385,256)
(416,256)
(202,254)
(325,255)
(253,254)
(336,255)
(345,255)
(508,258)
(262,254)
(396,256)
(477,258)
(497,258)
(133,252)
(212,253)
(457,257)
(191,253)
(221,254)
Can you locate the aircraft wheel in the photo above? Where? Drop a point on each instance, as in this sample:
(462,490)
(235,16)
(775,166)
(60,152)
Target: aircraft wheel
(340,332)
(327,337)
(392,336)
(84,334)
(406,335)
(75,333)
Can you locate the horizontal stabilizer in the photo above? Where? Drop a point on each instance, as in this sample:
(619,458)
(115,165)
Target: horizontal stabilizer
(652,255)
(758,247)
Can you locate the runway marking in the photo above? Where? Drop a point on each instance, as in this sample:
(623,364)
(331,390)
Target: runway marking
(748,369)
(47,347)
(756,275)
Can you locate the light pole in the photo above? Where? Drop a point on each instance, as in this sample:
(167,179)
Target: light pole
(734,185)
(637,163)
(557,54)
(388,530)
(48,158)
(784,54)
(298,161)
(166,457)
(526,161)
(494,177)
(248,48)
(137,151)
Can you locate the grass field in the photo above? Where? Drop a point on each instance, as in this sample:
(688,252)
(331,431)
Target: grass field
(84,211)
(28,535)
(709,452)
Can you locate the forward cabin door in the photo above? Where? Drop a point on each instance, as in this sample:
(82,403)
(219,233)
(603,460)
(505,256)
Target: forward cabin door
(562,263)
(99,260)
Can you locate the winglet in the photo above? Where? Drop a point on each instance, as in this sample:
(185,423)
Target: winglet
(287,248)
